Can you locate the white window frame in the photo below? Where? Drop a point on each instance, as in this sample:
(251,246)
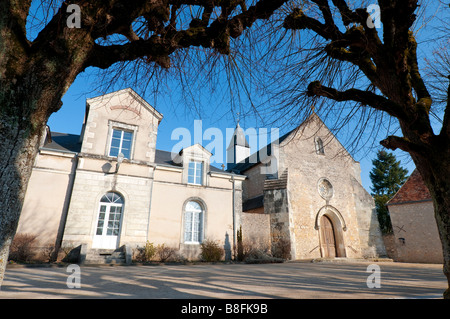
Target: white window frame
(121,127)
(200,222)
(195,176)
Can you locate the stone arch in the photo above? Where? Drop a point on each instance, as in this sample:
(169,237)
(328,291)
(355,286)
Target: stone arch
(339,227)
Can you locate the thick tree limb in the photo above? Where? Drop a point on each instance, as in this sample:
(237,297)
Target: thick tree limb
(158,48)
(395,142)
(423,96)
(363,97)
(298,20)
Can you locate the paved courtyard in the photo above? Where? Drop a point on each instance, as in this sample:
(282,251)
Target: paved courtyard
(298,280)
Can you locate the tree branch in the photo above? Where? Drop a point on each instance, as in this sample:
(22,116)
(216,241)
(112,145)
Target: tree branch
(363,97)
(423,96)
(394,142)
(157,48)
(297,20)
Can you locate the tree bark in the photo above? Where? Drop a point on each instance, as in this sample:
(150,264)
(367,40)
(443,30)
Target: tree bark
(434,168)
(392,67)
(438,182)
(18,148)
(24,111)
(35,75)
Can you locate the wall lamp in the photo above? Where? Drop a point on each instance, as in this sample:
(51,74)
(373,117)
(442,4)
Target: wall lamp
(120,158)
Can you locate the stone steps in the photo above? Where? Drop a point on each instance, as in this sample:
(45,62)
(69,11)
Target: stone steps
(105,256)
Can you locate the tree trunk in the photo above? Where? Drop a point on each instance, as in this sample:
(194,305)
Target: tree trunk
(25,106)
(18,148)
(435,171)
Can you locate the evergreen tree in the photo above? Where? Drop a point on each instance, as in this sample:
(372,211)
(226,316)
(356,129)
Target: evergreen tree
(387,177)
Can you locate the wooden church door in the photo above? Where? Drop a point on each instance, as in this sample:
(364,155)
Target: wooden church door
(329,242)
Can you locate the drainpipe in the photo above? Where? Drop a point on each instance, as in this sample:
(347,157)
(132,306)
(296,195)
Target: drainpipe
(151,201)
(234,218)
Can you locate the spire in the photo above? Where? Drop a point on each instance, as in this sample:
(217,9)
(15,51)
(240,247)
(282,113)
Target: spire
(238,149)
(238,138)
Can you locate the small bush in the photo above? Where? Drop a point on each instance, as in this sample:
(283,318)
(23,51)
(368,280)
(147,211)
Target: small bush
(257,256)
(164,252)
(146,253)
(21,249)
(49,253)
(211,251)
(282,249)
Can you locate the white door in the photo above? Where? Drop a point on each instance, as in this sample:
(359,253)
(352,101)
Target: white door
(109,221)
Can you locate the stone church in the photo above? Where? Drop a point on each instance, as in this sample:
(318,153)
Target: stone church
(312,197)
(109,189)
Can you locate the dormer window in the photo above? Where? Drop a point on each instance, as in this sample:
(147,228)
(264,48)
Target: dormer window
(195,172)
(319,146)
(121,142)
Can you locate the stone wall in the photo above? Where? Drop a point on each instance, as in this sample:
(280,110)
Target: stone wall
(88,189)
(415,232)
(255,230)
(276,205)
(372,243)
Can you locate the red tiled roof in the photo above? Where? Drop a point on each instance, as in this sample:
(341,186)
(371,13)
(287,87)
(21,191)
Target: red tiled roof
(413,190)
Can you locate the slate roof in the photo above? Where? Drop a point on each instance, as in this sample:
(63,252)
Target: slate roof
(63,142)
(253,203)
(414,190)
(256,158)
(165,158)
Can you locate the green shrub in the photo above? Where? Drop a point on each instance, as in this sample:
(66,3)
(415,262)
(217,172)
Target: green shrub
(146,253)
(211,251)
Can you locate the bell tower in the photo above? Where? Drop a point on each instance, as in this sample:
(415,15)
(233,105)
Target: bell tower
(238,149)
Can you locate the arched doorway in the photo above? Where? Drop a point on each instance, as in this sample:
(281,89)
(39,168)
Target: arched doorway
(109,221)
(331,226)
(328,238)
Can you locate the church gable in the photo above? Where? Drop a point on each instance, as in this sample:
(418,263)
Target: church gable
(314,137)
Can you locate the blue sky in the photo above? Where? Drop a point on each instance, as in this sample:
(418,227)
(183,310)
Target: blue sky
(215,113)
(69,119)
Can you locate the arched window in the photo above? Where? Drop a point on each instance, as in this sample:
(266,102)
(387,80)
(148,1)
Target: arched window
(193,223)
(109,219)
(319,146)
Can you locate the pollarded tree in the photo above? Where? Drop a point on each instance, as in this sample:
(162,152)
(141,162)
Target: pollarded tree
(387,177)
(362,57)
(382,73)
(35,73)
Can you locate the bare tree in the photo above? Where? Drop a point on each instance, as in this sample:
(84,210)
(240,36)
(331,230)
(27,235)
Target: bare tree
(334,52)
(35,73)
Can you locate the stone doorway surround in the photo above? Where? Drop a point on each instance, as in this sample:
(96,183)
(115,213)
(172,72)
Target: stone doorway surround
(339,227)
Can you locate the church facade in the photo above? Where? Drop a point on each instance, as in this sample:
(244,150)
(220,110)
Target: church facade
(109,187)
(311,199)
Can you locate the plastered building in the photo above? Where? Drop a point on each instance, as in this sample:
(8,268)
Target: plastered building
(81,195)
(416,235)
(110,189)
